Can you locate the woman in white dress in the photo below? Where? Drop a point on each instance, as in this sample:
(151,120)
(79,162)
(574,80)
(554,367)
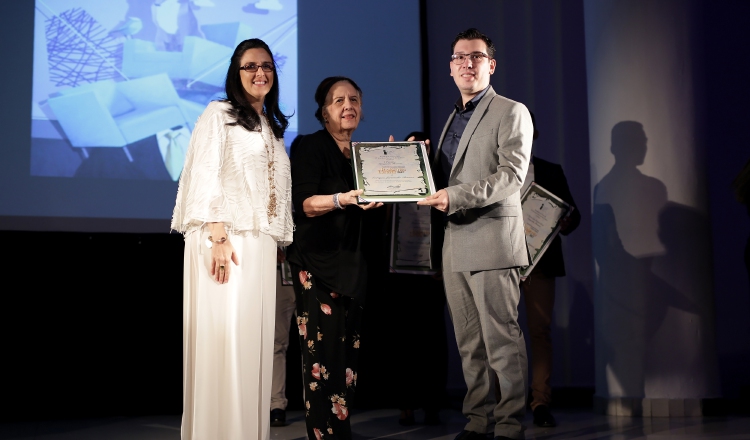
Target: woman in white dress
(234,208)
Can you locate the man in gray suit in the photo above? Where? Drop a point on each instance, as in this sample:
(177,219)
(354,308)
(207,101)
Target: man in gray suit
(481,159)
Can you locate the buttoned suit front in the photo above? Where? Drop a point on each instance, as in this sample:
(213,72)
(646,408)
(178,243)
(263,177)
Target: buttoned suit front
(483,248)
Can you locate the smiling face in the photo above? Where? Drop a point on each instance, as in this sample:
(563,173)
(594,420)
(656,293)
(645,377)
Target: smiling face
(256,84)
(472,77)
(343,109)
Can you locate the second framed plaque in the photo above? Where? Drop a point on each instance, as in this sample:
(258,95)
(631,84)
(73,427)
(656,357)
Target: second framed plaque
(542,213)
(392,172)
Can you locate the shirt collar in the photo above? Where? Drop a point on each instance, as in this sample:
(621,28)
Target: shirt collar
(471,104)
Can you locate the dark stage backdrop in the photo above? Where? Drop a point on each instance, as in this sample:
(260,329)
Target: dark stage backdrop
(98,331)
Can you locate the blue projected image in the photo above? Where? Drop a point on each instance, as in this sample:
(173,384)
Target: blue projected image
(118,85)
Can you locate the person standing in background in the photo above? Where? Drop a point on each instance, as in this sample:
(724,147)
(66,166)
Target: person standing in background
(420,339)
(539,287)
(285,306)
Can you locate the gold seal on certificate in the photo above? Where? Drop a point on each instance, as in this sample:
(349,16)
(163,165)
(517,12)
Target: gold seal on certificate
(392,171)
(542,212)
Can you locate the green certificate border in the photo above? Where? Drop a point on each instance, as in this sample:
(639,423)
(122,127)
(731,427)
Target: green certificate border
(554,200)
(399,198)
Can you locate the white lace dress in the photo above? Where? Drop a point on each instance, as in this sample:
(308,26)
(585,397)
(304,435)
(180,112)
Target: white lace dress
(228,329)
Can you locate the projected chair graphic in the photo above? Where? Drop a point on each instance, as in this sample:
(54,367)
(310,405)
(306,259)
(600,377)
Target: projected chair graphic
(115,114)
(200,59)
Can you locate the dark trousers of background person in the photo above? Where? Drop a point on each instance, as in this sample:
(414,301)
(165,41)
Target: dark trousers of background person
(285,305)
(539,298)
(329,327)
(419,342)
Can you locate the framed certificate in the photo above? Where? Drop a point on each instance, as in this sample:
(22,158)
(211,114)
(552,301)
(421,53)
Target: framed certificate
(392,171)
(285,271)
(286,274)
(410,239)
(542,212)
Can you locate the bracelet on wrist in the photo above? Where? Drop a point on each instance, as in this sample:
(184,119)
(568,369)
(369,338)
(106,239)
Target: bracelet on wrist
(219,241)
(336,203)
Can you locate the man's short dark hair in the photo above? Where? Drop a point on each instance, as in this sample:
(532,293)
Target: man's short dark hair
(474,34)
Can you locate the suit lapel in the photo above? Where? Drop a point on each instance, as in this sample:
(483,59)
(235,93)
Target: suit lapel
(479,111)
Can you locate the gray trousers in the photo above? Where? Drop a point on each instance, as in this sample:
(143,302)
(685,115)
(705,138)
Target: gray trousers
(284,309)
(484,309)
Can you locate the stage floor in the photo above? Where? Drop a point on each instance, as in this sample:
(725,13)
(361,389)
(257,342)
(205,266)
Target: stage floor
(377,424)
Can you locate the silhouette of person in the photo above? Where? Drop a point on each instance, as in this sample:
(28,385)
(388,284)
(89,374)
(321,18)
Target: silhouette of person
(635,198)
(625,237)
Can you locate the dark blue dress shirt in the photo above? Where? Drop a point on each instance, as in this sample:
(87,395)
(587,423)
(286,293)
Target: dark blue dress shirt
(454,133)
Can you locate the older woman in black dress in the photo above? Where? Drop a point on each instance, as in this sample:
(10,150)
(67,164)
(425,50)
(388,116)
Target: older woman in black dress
(327,259)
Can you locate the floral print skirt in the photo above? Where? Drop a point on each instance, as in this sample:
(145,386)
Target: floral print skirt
(329,326)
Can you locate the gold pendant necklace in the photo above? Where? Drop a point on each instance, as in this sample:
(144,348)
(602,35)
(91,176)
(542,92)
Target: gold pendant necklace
(270,154)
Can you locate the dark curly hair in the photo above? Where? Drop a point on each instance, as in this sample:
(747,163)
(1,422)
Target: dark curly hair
(321,93)
(241,111)
(474,34)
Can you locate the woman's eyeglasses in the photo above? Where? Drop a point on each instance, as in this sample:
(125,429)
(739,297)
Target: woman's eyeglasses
(267,67)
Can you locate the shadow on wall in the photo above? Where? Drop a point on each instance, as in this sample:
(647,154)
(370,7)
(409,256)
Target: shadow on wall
(655,306)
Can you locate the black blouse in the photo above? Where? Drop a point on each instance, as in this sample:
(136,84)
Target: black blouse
(328,246)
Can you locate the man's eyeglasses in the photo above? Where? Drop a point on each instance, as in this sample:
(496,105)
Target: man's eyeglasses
(267,67)
(475,57)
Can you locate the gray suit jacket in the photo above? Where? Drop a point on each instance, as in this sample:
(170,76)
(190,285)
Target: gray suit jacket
(485,224)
